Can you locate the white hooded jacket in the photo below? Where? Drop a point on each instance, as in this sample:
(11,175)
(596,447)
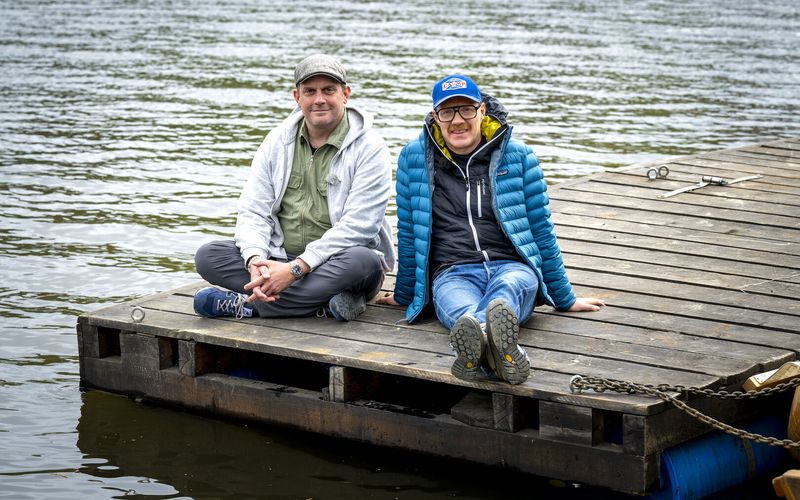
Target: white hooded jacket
(359,185)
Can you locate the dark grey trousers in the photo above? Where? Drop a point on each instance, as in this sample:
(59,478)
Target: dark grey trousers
(357,270)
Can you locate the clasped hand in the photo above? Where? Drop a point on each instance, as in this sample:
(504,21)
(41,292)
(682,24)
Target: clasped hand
(268,278)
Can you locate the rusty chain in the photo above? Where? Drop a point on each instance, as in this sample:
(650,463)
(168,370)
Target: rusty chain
(579,383)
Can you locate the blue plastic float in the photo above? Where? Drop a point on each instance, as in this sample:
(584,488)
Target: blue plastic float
(718,460)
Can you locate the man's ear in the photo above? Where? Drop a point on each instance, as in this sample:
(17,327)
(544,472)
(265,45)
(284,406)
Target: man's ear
(296,94)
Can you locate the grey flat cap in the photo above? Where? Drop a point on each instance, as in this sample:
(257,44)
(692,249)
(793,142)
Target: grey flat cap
(319,64)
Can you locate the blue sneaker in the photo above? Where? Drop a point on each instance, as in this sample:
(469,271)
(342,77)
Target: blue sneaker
(346,306)
(212,303)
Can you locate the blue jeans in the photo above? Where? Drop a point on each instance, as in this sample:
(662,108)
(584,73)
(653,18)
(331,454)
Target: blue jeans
(468,288)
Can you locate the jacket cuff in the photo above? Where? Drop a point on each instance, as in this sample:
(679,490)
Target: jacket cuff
(313,260)
(252,252)
(565,306)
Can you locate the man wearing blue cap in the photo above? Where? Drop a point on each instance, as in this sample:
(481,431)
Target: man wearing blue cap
(474,229)
(311,233)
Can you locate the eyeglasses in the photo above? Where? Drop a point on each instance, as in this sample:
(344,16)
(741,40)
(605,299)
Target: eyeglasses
(467,112)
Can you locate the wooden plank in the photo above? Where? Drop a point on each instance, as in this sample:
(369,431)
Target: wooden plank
(589,326)
(687,318)
(586,364)
(728,370)
(741,269)
(752,191)
(691,173)
(675,274)
(778,312)
(774,172)
(777,156)
(787,485)
(710,197)
(787,262)
(761,158)
(582,206)
(678,234)
(670,206)
(785,144)
(781,153)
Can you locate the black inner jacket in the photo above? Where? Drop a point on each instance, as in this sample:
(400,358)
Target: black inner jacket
(453,239)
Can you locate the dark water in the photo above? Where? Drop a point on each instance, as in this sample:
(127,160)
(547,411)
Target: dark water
(126,131)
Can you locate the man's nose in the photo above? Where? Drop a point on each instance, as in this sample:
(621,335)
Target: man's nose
(319,97)
(457,118)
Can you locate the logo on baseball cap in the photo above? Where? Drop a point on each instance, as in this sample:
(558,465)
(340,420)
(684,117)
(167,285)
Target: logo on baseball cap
(455,86)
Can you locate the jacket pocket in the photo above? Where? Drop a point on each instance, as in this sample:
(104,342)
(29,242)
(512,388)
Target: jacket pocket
(480,198)
(295,180)
(322,187)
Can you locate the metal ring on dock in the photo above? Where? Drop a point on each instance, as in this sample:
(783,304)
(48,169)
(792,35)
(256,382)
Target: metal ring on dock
(573,388)
(137,314)
(657,173)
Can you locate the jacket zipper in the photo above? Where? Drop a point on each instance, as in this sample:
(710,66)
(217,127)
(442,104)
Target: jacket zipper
(469,206)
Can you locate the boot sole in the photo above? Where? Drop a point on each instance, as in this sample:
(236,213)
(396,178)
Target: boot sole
(502,329)
(467,340)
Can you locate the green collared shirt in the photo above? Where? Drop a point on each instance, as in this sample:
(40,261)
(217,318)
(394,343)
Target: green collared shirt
(304,215)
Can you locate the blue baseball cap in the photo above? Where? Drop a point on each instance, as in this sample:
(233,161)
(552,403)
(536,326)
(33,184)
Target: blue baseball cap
(455,86)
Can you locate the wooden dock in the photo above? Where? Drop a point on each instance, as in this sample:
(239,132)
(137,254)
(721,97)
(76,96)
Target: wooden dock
(701,290)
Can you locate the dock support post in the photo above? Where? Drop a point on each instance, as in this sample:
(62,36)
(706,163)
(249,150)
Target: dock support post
(140,353)
(187,364)
(506,409)
(349,384)
(574,424)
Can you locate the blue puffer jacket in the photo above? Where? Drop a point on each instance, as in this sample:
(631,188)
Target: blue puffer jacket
(519,200)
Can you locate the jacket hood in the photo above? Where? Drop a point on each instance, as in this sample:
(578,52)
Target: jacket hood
(495,119)
(360,121)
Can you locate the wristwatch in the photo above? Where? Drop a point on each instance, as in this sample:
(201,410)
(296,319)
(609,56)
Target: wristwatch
(296,269)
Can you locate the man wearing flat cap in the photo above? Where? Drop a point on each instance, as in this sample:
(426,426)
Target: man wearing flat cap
(311,235)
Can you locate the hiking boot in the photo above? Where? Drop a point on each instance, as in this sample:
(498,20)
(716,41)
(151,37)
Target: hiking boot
(466,339)
(213,303)
(502,329)
(346,306)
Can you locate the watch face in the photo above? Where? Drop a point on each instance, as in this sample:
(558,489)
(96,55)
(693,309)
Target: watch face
(296,270)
